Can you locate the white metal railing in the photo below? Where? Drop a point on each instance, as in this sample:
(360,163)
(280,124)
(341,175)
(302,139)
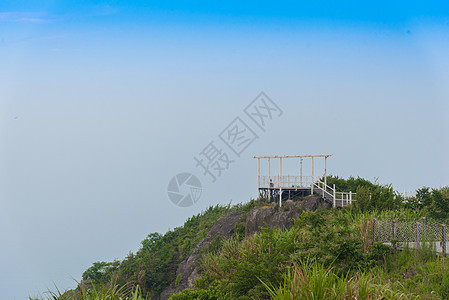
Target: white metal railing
(338,198)
(287,182)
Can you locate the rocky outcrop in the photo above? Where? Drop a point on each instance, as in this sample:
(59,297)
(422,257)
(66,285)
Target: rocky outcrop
(273,216)
(269,215)
(188,268)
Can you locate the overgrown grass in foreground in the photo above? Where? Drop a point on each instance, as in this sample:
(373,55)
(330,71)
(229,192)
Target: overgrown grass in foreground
(95,292)
(314,281)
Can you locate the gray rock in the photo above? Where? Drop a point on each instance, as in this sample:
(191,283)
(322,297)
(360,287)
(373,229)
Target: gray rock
(268,215)
(188,268)
(273,216)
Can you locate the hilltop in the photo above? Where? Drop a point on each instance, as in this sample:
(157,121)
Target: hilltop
(258,250)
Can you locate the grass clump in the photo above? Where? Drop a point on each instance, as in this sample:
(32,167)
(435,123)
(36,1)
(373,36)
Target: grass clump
(94,291)
(314,281)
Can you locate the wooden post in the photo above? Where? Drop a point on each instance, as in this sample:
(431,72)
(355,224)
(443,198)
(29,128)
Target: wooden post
(269,178)
(350,197)
(325,171)
(418,237)
(258,176)
(424,225)
(300,172)
(281,183)
(312,170)
(394,235)
(443,238)
(269,169)
(374,229)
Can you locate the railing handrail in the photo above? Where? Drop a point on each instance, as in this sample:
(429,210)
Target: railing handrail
(306,181)
(286,181)
(327,187)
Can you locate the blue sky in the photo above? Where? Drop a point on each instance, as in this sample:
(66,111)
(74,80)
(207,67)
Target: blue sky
(101,103)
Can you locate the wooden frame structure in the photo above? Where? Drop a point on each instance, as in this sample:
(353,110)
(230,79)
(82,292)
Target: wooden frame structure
(281,182)
(273,186)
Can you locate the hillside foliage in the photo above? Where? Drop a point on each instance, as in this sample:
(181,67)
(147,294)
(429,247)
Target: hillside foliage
(329,247)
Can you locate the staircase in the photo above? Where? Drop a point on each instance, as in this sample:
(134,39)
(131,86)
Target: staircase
(330,195)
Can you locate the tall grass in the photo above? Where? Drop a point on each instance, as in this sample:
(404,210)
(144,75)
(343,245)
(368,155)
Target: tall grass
(312,281)
(95,292)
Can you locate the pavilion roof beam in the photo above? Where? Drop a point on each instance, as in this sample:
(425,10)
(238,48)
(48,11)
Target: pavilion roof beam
(293,156)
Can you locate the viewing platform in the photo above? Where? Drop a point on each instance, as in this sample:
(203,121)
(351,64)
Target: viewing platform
(281,187)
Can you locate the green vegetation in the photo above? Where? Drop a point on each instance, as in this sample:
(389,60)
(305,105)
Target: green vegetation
(97,292)
(327,254)
(433,202)
(154,266)
(314,281)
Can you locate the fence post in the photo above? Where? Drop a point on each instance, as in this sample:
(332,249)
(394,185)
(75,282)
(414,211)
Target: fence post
(394,242)
(350,197)
(424,228)
(374,229)
(417,236)
(443,238)
(334,194)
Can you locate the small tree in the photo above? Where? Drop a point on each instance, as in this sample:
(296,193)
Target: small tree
(151,241)
(98,269)
(440,203)
(424,197)
(363,198)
